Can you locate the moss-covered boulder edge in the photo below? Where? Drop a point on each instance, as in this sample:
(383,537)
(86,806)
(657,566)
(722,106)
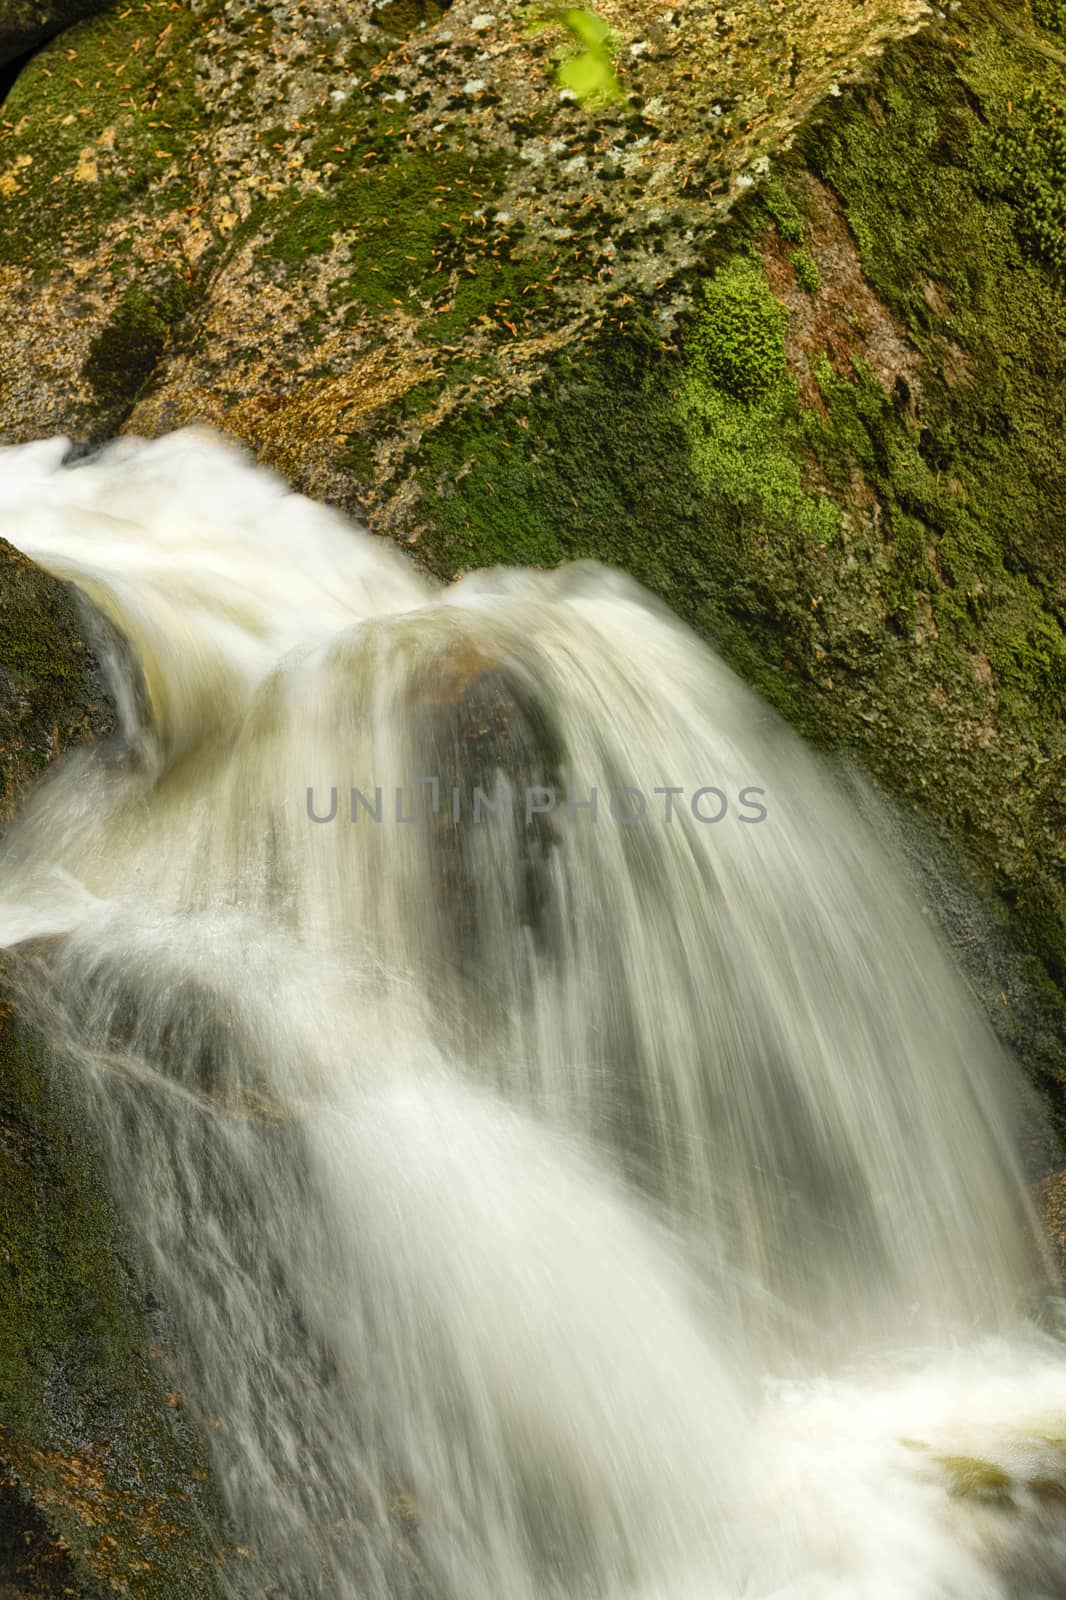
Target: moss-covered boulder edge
(53,693)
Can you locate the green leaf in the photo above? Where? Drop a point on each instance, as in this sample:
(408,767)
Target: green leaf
(590,76)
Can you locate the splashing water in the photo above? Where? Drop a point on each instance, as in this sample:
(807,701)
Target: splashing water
(570,1203)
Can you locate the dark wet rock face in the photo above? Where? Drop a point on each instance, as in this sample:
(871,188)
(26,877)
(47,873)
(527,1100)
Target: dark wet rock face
(33,1566)
(52,689)
(101,1477)
(26,24)
(105,1482)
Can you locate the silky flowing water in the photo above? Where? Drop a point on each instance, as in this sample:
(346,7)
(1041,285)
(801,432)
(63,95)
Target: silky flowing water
(588,1200)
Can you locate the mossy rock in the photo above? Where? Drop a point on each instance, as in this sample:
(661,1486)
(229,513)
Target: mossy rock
(804,378)
(103,1484)
(107,1469)
(26,24)
(52,690)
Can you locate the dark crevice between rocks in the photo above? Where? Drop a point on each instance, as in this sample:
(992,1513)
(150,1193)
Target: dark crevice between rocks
(13,66)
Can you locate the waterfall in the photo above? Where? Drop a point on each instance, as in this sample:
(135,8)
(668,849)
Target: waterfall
(570,1162)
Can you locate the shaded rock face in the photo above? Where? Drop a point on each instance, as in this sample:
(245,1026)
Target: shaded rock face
(1051,1199)
(105,1482)
(32,1564)
(24,24)
(52,689)
(102,1482)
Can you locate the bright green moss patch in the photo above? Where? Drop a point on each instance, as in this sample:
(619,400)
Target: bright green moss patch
(738,338)
(751,453)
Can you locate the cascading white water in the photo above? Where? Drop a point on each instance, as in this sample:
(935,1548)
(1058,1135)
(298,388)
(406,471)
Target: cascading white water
(574,1203)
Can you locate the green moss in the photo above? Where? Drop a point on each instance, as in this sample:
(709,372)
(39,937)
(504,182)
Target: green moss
(596,462)
(102,114)
(750,452)
(806,269)
(738,337)
(780,205)
(883,557)
(1030,149)
(1050,14)
(40,636)
(418,230)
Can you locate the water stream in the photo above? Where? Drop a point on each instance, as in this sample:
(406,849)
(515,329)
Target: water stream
(578,1198)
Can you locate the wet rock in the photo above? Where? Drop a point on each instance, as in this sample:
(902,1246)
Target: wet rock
(101,1478)
(106,1479)
(52,690)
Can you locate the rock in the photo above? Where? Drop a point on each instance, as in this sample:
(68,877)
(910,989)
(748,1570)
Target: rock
(103,1484)
(1051,1200)
(28,23)
(52,690)
(113,1491)
(487,324)
(491,324)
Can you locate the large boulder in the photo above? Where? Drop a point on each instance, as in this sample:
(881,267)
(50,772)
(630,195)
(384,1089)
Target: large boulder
(776,322)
